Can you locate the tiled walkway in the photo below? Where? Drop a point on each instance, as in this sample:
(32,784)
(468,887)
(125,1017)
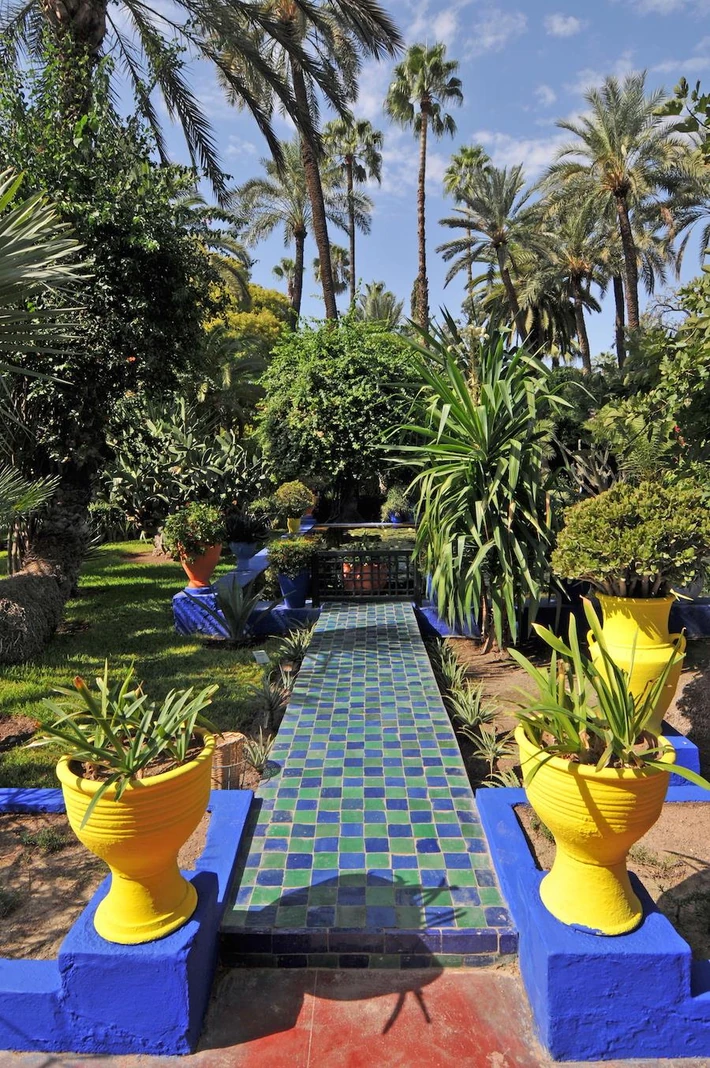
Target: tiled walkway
(365,849)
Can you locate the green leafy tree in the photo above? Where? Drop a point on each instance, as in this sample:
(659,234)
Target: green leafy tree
(140,325)
(422,86)
(332,396)
(340,263)
(355,146)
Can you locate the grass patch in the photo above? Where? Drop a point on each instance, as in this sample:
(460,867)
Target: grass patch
(124,605)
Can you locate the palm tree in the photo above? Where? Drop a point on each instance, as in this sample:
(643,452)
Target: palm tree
(421,87)
(380,305)
(464,165)
(285,271)
(577,254)
(281,200)
(229,34)
(337,35)
(340,262)
(625,154)
(497,224)
(355,147)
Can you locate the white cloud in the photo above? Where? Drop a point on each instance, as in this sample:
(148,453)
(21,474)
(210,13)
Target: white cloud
(493,29)
(535,153)
(679,67)
(238,147)
(426,25)
(669,7)
(588,78)
(546,95)
(563,25)
(400,164)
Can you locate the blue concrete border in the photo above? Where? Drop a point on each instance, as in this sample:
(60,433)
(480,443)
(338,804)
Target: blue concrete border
(595,997)
(99,997)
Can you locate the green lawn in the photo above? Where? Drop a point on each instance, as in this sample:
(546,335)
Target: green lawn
(125,599)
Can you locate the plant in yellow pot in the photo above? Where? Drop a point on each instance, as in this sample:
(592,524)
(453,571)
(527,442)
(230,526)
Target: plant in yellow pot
(594,774)
(633,544)
(136,783)
(291,500)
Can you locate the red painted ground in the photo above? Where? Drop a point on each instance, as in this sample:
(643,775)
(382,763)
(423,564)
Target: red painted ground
(326,1019)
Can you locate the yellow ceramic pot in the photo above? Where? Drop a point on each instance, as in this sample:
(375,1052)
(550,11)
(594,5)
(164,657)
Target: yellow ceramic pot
(595,818)
(294,525)
(139,837)
(645,620)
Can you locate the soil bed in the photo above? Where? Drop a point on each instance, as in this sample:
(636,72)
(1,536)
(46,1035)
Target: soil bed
(672,861)
(47,877)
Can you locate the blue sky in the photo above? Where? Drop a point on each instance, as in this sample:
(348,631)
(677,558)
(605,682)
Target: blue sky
(523,65)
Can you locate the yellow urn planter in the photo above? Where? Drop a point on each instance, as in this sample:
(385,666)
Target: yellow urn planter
(293,524)
(139,837)
(595,818)
(645,620)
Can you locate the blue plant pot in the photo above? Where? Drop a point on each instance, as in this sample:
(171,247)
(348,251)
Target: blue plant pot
(393,519)
(295,590)
(243,550)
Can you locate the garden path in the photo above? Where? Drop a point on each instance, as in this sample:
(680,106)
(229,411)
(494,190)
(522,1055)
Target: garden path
(365,848)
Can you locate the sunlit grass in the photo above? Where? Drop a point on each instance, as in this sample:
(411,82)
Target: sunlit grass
(125,602)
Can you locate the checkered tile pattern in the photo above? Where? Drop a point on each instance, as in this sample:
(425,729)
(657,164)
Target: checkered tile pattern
(365,848)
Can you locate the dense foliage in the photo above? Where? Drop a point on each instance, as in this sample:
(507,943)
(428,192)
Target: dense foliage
(140,324)
(485,523)
(188,532)
(636,540)
(332,396)
(292,556)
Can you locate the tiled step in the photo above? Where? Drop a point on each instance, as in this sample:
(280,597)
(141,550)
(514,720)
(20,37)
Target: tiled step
(365,849)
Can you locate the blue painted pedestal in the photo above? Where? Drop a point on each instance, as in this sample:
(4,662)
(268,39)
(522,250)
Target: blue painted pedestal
(99,997)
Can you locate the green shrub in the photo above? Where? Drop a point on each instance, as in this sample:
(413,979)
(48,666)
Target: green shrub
(396,504)
(636,541)
(192,530)
(292,556)
(245,526)
(292,498)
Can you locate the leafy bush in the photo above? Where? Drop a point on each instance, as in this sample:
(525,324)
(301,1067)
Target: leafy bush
(333,393)
(396,504)
(192,530)
(121,732)
(291,499)
(636,541)
(485,522)
(167,456)
(292,556)
(586,712)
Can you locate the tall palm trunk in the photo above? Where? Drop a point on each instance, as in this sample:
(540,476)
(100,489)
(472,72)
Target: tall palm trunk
(630,265)
(620,325)
(300,237)
(351,224)
(582,335)
(315,195)
(511,294)
(422,282)
(82,20)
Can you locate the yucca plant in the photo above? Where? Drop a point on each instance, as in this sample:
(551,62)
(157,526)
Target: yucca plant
(584,710)
(491,747)
(468,707)
(119,731)
(294,645)
(485,520)
(256,751)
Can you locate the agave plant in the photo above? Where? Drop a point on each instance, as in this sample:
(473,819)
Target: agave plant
(485,521)
(237,607)
(294,645)
(585,711)
(118,730)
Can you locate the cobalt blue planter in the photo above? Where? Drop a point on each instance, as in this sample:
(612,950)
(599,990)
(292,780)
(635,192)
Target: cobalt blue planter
(295,590)
(243,550)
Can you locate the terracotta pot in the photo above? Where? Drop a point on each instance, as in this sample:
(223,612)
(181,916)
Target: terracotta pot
(199,571)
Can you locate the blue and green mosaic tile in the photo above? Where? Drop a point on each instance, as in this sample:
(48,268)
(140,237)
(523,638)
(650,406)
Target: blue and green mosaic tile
(365,848)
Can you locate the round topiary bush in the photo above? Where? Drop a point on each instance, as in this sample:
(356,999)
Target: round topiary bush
(292,499)
(636,541)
